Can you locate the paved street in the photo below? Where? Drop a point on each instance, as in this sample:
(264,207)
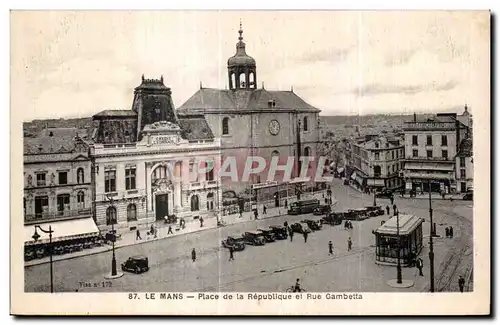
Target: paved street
(276,265)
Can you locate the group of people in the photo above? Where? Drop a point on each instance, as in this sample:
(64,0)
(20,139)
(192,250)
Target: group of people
(449,232)
(152,231)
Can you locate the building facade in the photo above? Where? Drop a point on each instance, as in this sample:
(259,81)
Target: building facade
(464,167)
(150,164)
(57,179)
(430,149)
(377,162)
(253,121)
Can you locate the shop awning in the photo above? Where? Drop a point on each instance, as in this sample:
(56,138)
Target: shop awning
(62,230)
(407,224)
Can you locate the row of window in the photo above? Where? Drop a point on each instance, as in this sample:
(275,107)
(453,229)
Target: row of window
(63,203)
(62,177)
(225,125)
(395,154)
(444,153)
(110,179)
(377,170)
(444,140)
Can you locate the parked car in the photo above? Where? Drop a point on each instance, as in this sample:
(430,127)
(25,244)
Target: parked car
(300,228)
(468,196)
(254,238)
(322,209)
(136,264)
(279,232)
(333,218)
(302,207)
(384,194)
(346,181)
(267,234)
(313,224)
(237,243)
(356,214)
(375,211)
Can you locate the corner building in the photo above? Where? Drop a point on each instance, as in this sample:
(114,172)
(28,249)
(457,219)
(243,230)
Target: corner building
(253,121)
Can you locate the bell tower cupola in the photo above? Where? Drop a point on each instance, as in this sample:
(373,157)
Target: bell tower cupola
(241,67)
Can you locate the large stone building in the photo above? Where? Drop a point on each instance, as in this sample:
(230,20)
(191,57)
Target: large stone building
(431,146)
(377,161)
(141,159)
(464,167)
(253,121)
(57,184)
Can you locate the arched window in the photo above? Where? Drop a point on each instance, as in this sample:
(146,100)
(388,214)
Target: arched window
(233,81)
(251,79)
(306,124)
(80,199)
(243,83)
(160,172)
(225,125)
(131,212)
(195,203)
(307,151)
(210,201)
(275,153)
(111,216)
(80,176)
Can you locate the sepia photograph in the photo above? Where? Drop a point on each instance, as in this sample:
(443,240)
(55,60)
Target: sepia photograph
(250,159)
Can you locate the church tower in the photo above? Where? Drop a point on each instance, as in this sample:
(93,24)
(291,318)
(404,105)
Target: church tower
(241,67)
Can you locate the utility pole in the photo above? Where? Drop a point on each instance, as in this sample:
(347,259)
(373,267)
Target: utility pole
(431,242)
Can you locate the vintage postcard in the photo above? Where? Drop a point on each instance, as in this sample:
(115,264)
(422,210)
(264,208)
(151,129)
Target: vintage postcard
(250,163)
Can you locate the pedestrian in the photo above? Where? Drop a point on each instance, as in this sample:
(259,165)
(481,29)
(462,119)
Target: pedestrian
(285,224)
(395,208)
(137,235)
(170,230)
(153,231)
(392,199)
(264,210)
(388,210)
(286,203)
(461,283)
(305,237)
(330,248)
(451,232)
(349,244)
(193,255)
(420,266)
(291,234)
(201,222)
(256,214)
(231,253)
(346,225)
(241,213)
(447,232)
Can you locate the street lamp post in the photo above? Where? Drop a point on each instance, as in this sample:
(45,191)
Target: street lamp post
(36,236)
(431,242)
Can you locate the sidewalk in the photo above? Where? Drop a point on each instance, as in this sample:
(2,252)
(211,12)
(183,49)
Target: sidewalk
(128,238)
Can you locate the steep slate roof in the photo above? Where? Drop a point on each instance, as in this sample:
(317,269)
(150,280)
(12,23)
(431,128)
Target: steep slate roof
(209,98)
(195,128)
(58,132)
(50,145)
(465,148)
(116,112)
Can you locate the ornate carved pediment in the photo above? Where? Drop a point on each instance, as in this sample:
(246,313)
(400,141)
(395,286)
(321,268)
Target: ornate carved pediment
(162,185)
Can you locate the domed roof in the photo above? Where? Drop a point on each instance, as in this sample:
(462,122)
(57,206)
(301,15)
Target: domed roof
(241,58)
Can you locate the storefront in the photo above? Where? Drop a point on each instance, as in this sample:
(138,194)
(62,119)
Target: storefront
(410,237)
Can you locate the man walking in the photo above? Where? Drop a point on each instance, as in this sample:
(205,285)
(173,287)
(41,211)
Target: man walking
(388,210)
(420,266)
(305,237)
(264,210)
(461,283)
(392,199)
(170,230)
(193,255)
(330,248)
(349,244)
(451,232)
(201,222)
(231,254)
(395,208)
(256,214)
(291,234)
(138,235)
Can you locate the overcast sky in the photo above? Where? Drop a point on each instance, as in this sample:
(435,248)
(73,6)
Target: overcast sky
(67,64)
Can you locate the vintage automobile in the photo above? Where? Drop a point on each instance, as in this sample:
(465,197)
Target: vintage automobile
(302,207)
(333,218)
(375,211)
(254,238)
(322,209)
(300,228)
(313,224)
(384,194)
(237,243)
(280,232)
(136,264)
(356,214)
(267,234)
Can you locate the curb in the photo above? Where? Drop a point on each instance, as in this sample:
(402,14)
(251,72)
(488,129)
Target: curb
(143,242)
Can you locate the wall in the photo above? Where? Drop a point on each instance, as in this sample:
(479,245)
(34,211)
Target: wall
(436,143)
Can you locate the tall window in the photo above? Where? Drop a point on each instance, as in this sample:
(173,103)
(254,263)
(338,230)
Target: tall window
(131,212)
(40,179)
(462,173)
(210,173)
(429,153)
(110,216)
(210,201)
(62,203)
(80,176)
(41,205)
(195,203)
(377,156)
(306,124)
(415,153)
(429,140)
(444,140)
(376,145)
(462,161)
(445,154)
(377,171)
(63,178)
(110,181)
(80,200)
(415,140)
(130,178)
(307,151)
(393,155)
(225,125)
